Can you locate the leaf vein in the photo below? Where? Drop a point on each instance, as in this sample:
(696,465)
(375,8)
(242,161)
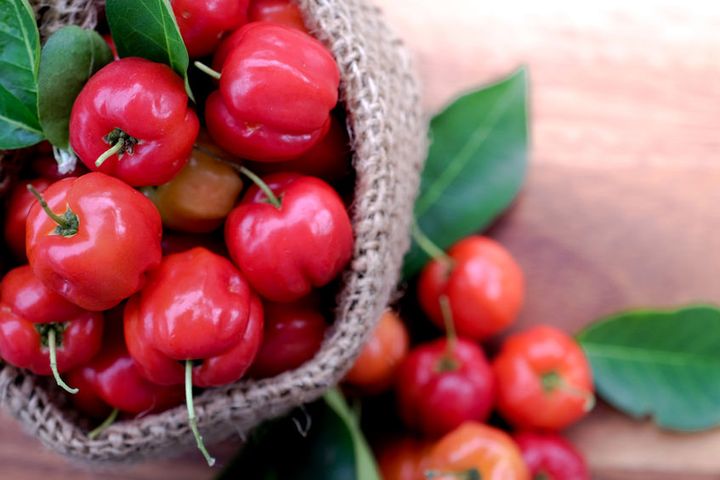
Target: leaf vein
(436,189)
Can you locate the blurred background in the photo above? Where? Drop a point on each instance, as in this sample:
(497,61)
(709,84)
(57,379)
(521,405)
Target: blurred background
(620,208)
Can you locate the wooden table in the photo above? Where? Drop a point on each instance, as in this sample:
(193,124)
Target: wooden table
(621,207)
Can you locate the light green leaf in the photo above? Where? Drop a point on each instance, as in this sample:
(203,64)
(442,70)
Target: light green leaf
(476,164)
(663,364)
(19,58)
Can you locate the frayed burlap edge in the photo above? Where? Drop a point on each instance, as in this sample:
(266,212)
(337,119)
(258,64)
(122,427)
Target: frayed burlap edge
(389,141)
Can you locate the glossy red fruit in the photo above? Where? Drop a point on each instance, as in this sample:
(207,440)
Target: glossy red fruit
(29,311)
(113,379)
(139,109)
(196,306)
(293,335)
(329,159)
(284,12)
(440,386)
(483,285)
(286,252)
(18,207)
(549,456)
(109,240)
(376,367)
(270,64)
(203,23)
(29,298)
(544,379)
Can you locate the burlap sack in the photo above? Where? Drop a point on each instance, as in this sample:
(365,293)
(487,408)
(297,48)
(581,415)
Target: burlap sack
(389,142)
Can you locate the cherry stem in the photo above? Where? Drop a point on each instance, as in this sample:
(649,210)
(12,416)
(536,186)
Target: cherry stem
(429,247)
(53,363)
(448,362)
(470,474)
(552,381)
(205,69)
(54,216)
(191,414)
(272,198)
(110,152)
(104,425)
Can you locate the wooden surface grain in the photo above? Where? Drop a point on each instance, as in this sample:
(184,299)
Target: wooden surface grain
(620,209)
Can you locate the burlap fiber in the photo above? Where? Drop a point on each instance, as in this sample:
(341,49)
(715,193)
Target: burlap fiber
(388,135)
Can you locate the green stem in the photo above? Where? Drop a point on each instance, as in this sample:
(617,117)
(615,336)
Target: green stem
(191,414)
(448,363)
(205,69)
(110,152)
(262,186)
(105,424)
(54,216)
(53,363)
(255,178)
(429,247)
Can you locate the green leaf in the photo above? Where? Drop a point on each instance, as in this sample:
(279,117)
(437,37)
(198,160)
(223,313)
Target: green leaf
(476,164)
(69,58)
(332,447)
(19,58)
(366,468)
(665,364)
(147,29)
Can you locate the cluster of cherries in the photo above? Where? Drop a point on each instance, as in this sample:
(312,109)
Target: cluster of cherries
(127,293)
(540,381)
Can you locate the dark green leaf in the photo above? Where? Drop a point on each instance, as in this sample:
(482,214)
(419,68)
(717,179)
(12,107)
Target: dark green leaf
(147,28)
(665,364)
(476,164)
(69,58)
(333,447)
(19,58)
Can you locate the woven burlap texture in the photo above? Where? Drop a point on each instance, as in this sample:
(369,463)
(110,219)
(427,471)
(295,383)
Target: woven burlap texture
(388,134)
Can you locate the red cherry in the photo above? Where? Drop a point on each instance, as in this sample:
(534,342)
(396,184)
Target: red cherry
(440,386)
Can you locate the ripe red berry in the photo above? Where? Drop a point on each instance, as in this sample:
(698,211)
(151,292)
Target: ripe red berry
(443,384)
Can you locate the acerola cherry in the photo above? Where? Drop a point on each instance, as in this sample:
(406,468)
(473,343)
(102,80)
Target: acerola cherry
(329,159)
(442,384)
(293,335)
(43,332)
(203,23)
(544,379)
(291,237)
(132,121)
(271,64)
(482,283)
(93,239)
(284,12)
(376,367)
(196,322)
(549,456)
(476,451)
(114,379)
(199,198)
(403,459)
(16,215)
